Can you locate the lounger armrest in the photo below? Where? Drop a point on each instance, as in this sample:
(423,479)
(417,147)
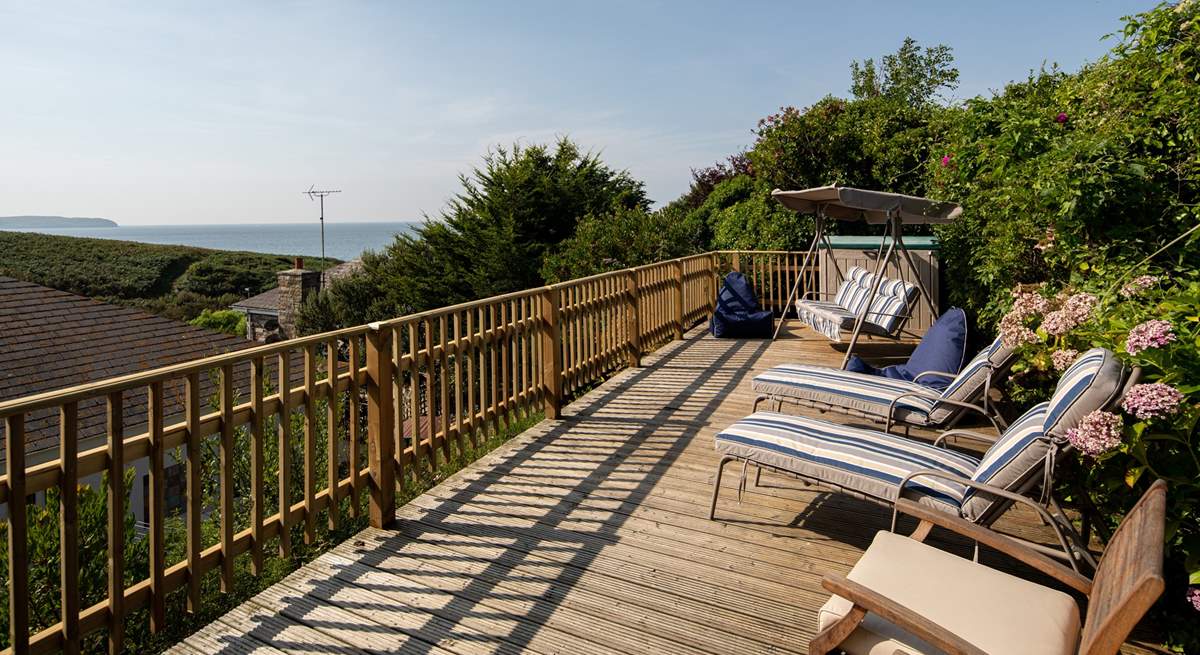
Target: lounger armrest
(968,434)
(891,413)
(980,534)
(903,617)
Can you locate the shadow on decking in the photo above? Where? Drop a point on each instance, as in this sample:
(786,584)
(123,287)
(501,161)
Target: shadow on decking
(680,390)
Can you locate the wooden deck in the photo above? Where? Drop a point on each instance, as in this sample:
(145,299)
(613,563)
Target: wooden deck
(588,535)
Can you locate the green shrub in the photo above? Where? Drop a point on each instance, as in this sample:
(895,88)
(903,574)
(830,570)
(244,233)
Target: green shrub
(229,321)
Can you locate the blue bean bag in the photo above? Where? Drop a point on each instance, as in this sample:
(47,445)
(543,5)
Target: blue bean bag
(738,314)
(941,349)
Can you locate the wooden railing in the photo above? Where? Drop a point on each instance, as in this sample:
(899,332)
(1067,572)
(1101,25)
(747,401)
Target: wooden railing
(350,413)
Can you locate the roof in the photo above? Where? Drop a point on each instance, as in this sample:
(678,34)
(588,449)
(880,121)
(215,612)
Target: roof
(267,302)
(51,339)
(850,204)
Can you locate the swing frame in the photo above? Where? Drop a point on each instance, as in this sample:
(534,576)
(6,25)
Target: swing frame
(872,207)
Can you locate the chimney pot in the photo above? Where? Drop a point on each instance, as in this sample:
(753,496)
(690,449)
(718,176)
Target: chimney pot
(299,263)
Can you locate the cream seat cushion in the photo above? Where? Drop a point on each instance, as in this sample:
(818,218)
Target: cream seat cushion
(995,611)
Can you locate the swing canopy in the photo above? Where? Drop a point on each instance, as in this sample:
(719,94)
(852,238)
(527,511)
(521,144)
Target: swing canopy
(873,207)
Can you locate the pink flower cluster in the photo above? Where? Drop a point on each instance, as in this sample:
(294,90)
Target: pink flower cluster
(1013,331)
(1062,359)
(1193,596)
(1138,285)
(1151,334)
(1097,433)
(1075,311)
(1026,304)
(1154,400)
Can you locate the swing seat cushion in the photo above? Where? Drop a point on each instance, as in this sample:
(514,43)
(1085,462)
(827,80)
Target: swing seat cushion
(884,317)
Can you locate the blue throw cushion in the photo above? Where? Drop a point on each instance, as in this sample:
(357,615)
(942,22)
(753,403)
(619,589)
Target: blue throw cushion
(738,313)
(941,349)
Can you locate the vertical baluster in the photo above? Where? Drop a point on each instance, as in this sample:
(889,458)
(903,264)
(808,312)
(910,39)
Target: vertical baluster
(459,350)
(380,441)
(310,444)
(227,490)
(68,525)
(430,394)
(256,465)
(18,544)
(506,335)
(158,508)
(414,400)
(444,386)
(285,454)
(194,500)
(472,378)
(353,455)
(494,376)
(331,432)
(116,522)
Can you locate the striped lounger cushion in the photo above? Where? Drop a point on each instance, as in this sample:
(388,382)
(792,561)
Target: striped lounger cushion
(868,394)
(871,395)
(869,462)
(1016,457)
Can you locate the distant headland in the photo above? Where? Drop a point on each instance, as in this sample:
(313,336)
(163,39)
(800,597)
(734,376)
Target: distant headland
(42,222)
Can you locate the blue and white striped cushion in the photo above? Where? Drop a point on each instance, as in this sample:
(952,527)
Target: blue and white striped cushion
(1092,382)
(1018,455)
(866,461)
(869,394)
(967,386)
(892,301)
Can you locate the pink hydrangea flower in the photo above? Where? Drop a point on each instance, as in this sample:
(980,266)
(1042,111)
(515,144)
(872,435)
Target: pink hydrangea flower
(1075,311)
(1154,400)
(1151,334)
(1061,117)
(1097,433)
(1193,596)
(1138,285)
(1014,333)
(1028,303)
(1063,359)
(946,160)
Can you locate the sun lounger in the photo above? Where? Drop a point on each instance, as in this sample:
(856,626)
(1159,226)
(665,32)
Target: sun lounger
(884,467)
(888,400)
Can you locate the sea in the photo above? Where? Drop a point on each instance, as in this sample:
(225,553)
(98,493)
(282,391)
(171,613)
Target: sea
(343,240)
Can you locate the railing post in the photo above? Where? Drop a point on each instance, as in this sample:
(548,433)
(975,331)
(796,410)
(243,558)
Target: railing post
(633,325)
(380,425)
(551,354)
(737,262)
(714,281)
(678,299)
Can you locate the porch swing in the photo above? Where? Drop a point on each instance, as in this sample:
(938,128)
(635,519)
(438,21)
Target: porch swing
(868,301)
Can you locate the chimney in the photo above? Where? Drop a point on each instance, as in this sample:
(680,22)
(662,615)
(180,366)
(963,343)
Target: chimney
(295,286)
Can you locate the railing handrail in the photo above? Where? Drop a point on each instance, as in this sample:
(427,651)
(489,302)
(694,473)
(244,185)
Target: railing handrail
(128,381)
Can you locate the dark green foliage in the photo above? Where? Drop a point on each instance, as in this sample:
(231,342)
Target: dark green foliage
(621,239)
(178,282)
(492,237)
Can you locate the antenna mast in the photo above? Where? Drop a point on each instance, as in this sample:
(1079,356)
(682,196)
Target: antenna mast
(313,193)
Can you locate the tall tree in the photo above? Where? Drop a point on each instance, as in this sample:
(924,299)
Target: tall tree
(491,238)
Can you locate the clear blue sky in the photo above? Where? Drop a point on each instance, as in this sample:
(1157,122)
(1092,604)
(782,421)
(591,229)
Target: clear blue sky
(171,112)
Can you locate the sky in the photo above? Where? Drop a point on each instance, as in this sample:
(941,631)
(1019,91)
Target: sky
(158,113)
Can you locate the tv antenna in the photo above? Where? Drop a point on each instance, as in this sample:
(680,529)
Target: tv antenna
(313,193)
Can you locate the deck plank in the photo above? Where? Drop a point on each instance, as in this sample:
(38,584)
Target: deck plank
(590,534)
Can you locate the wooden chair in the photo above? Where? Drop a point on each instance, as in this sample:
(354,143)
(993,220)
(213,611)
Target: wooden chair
(912,605)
